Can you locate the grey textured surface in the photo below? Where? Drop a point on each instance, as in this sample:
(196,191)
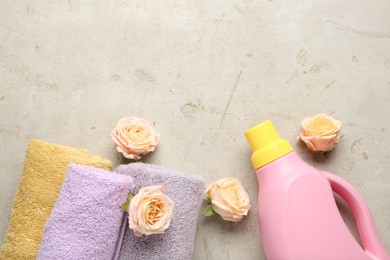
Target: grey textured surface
(202,72)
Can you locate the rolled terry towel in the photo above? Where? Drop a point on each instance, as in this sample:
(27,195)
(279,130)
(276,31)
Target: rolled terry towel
(186,191)
(44,171)
(86,219)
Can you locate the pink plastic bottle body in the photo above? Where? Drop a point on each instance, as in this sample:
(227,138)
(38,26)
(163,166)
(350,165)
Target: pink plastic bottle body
(299,218)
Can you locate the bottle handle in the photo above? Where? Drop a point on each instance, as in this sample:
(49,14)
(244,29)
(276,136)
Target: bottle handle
(367,231)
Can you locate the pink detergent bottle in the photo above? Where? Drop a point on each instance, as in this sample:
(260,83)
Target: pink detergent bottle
(298,215)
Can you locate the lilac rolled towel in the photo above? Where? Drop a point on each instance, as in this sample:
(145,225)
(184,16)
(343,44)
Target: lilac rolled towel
(86,219)
(177,242)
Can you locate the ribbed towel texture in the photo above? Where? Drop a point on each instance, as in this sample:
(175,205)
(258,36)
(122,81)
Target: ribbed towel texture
(186,191)
(44,171)
(86,219)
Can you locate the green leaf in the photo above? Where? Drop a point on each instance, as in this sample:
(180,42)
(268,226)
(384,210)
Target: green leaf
(209,211)
(208,199)
(125,206)
(130,196)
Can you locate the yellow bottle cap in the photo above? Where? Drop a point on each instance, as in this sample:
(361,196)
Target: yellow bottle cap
(266,144)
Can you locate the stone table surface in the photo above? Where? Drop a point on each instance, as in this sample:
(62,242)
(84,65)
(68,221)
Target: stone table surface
(202,72)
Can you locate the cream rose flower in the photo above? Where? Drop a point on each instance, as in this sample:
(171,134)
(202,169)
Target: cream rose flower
(150,211)
(320,133)
(229,199)
(134,137)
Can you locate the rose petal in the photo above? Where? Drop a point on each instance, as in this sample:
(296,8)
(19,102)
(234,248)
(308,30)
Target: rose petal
(320,125)
(320,143)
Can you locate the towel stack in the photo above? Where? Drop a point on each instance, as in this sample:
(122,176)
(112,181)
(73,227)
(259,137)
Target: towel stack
(44,171)
(87,221)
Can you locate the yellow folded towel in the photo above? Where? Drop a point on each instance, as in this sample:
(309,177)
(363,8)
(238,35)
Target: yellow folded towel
(44,171)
